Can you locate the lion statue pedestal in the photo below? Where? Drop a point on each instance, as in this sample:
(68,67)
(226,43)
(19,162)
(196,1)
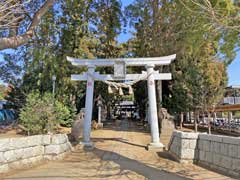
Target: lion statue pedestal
(166,126)
(77,127)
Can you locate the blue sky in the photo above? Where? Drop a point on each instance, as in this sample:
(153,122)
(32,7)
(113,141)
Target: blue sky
(233,69)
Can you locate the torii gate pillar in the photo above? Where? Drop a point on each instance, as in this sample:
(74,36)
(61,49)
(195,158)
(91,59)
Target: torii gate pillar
(155,142)
(88,108)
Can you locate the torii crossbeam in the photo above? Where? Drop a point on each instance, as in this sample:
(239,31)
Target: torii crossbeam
(120,65)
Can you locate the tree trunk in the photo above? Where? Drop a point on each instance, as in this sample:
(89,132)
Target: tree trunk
(109,113)
(209,123)
(229,120)
(214,119)
(190,117)
(159,100)
(187,117)
(196,116)
(181,120)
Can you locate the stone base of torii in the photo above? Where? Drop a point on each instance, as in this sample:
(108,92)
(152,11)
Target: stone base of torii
(120,75)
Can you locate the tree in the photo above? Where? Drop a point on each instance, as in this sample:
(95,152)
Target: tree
(41,115)
(63,31)
(38,116)
(167,27)
(214,77)
(222,20)
(108,16)
(11,68)
(14,16)
(223,14)
(198,85)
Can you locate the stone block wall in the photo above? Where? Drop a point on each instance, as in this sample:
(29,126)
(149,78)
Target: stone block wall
(183,146)
(221,153)
(18,153)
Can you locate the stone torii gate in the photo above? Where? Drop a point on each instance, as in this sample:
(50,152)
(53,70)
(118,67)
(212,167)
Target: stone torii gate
(120,65)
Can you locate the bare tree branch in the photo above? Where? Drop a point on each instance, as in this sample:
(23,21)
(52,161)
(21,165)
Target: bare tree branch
(15,41)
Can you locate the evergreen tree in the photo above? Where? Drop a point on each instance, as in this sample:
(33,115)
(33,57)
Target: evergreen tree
(167,27)
(108,22)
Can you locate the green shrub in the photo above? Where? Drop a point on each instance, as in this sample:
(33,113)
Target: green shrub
(63,114)
(38,116)
(67,119)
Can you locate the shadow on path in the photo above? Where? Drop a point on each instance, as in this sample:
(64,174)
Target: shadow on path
(118,140)
(136,166)
(113,166)
(126,126)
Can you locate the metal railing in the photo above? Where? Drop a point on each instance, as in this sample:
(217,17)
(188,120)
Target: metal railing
(223,123)
(231,100)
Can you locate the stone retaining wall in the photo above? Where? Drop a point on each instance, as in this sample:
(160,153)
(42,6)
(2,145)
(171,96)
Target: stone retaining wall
(221,153)
(18,153)
(183,146)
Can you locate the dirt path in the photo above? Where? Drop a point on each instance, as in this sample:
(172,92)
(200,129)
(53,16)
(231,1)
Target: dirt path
(119,154)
